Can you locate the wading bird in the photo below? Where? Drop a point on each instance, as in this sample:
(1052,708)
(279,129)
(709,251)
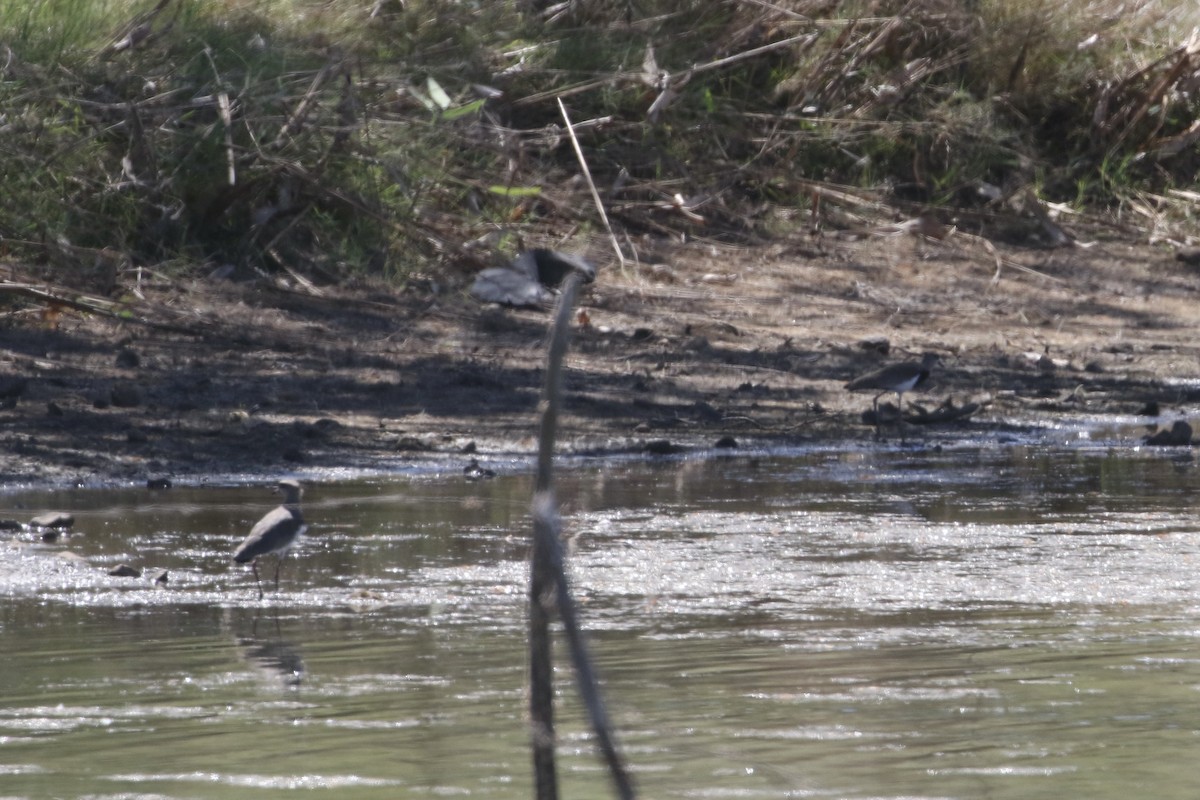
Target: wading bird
(274,533)
(898,378)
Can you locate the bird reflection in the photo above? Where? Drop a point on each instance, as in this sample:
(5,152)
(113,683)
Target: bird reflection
(273,655)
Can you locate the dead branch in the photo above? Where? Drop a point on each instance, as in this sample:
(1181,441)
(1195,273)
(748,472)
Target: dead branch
(549,590)
(301,111)
(587,174)
(1174,66)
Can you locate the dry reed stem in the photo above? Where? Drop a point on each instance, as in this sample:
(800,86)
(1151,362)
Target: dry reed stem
(587,174)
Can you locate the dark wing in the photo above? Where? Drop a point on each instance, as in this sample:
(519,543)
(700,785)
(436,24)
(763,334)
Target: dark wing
(551,267)
(555,266)
(277,530)
(868,381)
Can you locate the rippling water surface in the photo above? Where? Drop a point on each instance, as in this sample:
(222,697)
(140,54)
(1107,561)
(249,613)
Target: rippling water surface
(897,623)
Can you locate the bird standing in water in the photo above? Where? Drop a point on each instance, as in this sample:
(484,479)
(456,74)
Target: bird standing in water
(898,378)
(274,533)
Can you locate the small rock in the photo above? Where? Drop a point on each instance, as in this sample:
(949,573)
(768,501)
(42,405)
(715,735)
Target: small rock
(1151,409)
(661,447)
(136,436)
(509,288)
(125,571)
(161,578)
(50,535)
(10,525)
(53,409)
(468,448)
(707,412)
(125,395)
(128,359)
(12,386)
(158,483)
(474,472)
(1190,256)
(726,443)
(1179,435)
(325,426)
(876,344)
(411,443)
(59,520)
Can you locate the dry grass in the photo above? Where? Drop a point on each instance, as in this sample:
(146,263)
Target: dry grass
(378,138)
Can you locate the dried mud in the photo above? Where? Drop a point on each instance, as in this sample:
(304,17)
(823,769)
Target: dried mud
(257,379)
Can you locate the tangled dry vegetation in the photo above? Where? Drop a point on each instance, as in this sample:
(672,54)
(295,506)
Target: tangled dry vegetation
(335,142)
(418,143)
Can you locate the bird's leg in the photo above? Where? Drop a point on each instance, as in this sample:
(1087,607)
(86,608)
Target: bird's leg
(278,564)
(900,414)
(257,582)
(875,407)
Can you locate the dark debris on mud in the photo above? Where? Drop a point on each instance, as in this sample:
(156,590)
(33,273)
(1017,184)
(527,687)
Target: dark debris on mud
(261,378)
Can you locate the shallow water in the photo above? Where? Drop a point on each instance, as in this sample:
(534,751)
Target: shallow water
(1000,622)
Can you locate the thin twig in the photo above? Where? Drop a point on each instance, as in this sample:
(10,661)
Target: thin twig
(804,38)
(225,111)
(587,174)
(301,110)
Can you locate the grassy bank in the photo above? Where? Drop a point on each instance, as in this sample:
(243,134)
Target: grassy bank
(382,139)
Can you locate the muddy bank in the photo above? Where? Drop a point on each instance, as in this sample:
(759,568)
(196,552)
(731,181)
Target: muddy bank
(710,341)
